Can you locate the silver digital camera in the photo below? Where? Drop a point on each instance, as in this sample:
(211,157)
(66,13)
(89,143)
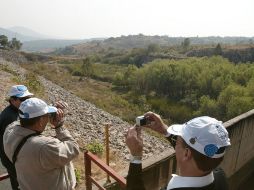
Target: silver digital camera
(141,120)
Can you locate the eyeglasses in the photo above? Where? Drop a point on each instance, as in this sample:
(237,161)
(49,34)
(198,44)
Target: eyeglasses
(172,140)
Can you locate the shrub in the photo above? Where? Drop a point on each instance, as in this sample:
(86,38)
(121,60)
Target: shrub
(77,73)
(78,175)
(95,147)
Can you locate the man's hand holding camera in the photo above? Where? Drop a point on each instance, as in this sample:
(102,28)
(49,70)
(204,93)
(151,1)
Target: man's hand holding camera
(61,105)
(156,123)
(134,141)
(57,119)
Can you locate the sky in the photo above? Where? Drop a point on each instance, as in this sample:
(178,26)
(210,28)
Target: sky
(82,19)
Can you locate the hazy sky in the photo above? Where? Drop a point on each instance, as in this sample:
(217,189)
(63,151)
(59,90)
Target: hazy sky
(111,18)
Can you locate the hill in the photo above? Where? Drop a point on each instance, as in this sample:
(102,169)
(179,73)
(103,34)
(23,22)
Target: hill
(28,32)
(13,34)
(48,45)
(36,42)
(142,41)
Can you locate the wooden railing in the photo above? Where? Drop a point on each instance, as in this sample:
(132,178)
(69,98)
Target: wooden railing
(89,158)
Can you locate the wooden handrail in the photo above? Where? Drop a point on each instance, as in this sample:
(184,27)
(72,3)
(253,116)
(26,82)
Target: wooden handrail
(88,157)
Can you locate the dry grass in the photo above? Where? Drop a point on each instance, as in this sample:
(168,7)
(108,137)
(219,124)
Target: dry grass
(94,91)
(5,84)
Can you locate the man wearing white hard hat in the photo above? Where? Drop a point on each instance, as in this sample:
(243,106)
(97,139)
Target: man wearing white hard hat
(199,144)
(41,162)
(16,95)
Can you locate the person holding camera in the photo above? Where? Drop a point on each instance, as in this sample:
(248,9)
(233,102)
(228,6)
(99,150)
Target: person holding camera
(41,162)
(199,145)
(17,94)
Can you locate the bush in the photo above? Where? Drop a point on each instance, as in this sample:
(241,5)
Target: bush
(77,73)
(78,175)
(95,147)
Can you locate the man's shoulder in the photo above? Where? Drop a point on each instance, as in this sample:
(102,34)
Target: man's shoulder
(220,179)
(45,141)
(8,115)
(8,109)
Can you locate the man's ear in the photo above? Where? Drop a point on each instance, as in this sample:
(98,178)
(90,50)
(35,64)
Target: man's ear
(41,122)
(11,100)
(15,102)
(187,154)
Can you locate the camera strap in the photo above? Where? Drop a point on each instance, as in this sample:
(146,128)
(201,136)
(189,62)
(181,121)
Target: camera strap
(20,145)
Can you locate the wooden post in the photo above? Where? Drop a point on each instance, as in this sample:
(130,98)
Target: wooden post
(107,148)
(88,171)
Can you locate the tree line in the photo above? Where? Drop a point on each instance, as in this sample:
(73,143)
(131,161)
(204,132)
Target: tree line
(12,44)
(181,89)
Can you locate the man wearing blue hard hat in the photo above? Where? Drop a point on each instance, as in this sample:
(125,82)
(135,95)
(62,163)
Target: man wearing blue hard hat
(16,95)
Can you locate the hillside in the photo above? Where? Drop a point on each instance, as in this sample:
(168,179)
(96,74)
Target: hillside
(12,34)
(48,45)
(141,41)
(35,42)
(28,32)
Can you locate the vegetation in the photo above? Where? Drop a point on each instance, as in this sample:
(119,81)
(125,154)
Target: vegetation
(140,49)
(29,79)
(95,147)
(12,44)
(207,86)
(176,89)
(185,44)
(100,91)
(78,175)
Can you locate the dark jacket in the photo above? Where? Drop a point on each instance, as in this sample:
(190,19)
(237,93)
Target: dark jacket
(134,178)
(8,115)
(135,181)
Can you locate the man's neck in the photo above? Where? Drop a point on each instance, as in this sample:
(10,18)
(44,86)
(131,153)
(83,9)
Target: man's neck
(33,128)
(189,171)
(14,107)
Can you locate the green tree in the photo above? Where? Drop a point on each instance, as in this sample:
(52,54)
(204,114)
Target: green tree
(4,41)
(87,67)
(15,44)
(208,107)
(229,98)
(218,50)
(186,44)
(239,105)
(153,48)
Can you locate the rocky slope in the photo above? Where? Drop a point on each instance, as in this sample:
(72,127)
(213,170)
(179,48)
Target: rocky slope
(85,121)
